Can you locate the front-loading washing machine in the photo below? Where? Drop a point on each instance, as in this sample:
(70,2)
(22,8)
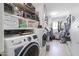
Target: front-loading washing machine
(26,45)
(42,40)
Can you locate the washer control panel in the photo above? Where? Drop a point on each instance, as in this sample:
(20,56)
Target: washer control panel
(29,38)
(35,37)
(24,40)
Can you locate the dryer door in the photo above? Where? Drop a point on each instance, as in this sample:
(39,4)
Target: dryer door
(44,39)
(31,50)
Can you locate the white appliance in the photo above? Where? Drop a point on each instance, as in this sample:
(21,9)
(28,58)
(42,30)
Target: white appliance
(1,28)
(40,32)
(26,45)
(10,21)
(74,34)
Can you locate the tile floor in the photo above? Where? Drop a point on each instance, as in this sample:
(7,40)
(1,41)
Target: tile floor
(58,49)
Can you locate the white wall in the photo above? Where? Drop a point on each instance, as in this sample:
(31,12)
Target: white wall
(74,33)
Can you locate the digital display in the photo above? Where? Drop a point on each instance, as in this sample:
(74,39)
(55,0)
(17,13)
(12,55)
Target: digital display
(35,36)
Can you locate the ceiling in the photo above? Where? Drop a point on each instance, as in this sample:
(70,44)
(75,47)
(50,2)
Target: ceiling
(62,7)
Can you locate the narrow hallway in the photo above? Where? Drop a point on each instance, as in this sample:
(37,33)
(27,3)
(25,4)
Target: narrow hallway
(58,49)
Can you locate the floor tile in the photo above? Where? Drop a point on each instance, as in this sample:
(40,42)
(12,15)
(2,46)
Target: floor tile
(58,49)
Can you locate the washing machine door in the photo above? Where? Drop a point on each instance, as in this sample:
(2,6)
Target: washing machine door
(31,50)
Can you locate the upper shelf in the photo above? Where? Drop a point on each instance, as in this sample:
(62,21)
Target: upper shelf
(23,7)
(29,28)
(5,13)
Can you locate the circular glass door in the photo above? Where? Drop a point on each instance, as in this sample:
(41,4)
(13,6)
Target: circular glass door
(31,50)
(44,38)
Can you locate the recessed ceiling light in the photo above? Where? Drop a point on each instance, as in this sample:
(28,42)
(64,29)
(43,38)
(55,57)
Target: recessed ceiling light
(53,13)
